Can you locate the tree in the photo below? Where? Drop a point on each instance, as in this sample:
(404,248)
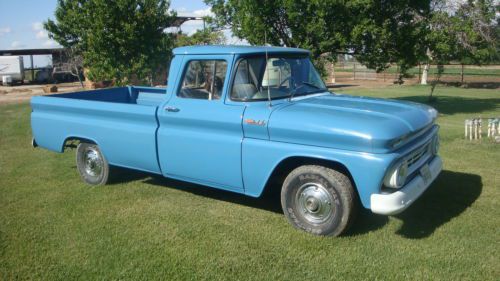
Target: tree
(71,63)
(377,33)
(286,23)
(119,40)
(389,32)
(465,32)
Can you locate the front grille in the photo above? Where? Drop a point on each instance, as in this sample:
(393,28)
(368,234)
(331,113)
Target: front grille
(416,155)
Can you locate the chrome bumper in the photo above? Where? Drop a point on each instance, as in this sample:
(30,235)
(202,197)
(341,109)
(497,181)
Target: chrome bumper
(398,201)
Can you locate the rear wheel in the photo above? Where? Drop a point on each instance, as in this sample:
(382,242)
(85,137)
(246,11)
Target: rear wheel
(318,200)
(91,164)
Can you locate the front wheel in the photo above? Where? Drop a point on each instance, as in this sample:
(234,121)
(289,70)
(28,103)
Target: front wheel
(91,164)
(318,200)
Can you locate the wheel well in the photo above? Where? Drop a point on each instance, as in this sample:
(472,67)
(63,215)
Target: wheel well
(287,165)
(72,142)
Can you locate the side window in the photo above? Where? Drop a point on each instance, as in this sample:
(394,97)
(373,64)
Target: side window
(246,85)
(203,79)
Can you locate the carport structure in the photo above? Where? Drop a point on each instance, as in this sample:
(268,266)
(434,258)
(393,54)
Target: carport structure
(55,53)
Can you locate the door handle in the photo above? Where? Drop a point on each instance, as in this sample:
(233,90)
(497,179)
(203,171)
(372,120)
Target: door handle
(171,109)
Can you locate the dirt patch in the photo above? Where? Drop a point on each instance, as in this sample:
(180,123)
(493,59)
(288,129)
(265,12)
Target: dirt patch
(20,90)
(23,93)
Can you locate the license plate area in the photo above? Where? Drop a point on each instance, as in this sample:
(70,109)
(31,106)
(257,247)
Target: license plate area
(425,172)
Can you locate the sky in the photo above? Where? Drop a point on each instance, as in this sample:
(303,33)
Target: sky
(21,22)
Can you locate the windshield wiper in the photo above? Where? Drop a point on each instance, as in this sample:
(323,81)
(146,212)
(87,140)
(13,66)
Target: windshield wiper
(294,91)
(312,85)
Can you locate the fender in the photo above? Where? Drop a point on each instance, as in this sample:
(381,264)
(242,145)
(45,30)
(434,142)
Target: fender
(260,158)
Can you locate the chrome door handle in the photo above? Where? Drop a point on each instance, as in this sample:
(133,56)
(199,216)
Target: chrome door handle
(171,109)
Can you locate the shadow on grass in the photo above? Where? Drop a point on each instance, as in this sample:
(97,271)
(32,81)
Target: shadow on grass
(475,85)
(365,222)
(269,201)
(452,105)
(123,175)
(450,195)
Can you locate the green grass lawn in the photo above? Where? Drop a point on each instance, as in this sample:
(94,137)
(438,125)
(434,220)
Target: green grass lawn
(54,227)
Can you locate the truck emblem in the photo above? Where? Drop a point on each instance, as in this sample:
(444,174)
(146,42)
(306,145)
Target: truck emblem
(253,122)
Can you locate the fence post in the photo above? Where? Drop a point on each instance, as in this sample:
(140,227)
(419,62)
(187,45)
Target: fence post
(354,71)
(32,69)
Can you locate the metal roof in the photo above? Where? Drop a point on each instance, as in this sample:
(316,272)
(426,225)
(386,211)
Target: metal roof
(180,20)
(27,52)
(235,49)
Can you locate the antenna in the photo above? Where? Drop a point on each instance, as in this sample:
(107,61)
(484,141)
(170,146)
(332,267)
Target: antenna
(267,58)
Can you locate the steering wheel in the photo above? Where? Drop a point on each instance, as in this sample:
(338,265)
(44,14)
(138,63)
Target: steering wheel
(289,78)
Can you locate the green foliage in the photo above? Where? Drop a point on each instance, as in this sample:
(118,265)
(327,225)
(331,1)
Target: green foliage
(119,40)
(387,32)
(377,33)
(467,33)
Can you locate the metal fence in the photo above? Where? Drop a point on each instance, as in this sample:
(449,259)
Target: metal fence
(451,73)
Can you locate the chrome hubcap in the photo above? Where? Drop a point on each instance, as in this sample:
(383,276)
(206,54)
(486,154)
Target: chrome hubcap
(93,162)
(315,203)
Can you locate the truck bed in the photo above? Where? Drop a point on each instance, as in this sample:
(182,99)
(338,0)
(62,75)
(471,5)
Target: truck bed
(122,121)
(130,95)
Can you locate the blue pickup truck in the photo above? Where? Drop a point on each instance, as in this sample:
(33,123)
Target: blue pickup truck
(246,119)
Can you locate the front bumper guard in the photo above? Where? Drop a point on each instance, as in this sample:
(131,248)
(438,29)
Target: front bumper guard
(396,202)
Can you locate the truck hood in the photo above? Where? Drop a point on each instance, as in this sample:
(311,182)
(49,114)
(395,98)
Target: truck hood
(349,122)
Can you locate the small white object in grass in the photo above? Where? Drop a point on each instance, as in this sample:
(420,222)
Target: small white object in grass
(476,124)
(480,127)
(466,125)
(493,127)
(490,122)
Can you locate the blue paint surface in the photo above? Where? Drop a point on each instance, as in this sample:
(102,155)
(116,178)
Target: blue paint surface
(234,145)
(235,50)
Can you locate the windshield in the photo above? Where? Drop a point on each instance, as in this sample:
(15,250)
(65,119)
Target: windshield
(280,77)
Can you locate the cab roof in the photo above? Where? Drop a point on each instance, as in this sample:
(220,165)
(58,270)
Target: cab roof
(235,49)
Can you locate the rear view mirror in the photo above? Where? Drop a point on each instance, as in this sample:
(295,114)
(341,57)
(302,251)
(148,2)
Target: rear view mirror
(278,62)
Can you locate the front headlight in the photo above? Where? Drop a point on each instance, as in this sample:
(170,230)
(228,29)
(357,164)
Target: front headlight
(397,178)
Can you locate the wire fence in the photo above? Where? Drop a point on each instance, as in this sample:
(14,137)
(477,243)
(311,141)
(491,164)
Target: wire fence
(451,73)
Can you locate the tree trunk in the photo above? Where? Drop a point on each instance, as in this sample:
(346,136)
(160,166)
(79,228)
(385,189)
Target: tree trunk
(462,74)
(333,72)
(77,74)
(419,72)
(425,73)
